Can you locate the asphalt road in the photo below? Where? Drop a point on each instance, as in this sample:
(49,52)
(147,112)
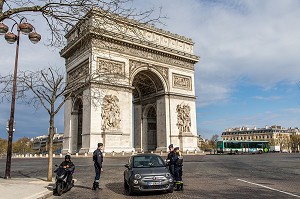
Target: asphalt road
(258,176)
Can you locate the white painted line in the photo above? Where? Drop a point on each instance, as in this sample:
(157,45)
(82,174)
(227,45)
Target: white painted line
(269,188)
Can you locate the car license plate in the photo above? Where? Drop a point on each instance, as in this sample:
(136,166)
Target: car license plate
(153,183)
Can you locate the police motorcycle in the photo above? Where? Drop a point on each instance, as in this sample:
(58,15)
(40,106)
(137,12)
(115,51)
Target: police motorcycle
(61,184)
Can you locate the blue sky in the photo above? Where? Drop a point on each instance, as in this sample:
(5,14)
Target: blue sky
(248,69)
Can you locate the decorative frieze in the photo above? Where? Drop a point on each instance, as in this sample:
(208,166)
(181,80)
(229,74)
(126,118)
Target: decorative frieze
(110,113)
(182,81)
(81,49)
(82,70)
(183,118)
(132,50)
(109,67)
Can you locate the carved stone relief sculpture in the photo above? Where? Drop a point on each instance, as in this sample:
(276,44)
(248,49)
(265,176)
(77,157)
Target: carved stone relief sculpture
(183,118)
(110,67)
(79,72)
(182,82)
(110,113)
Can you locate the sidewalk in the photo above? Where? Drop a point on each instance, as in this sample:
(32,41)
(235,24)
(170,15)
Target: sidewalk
(25,188)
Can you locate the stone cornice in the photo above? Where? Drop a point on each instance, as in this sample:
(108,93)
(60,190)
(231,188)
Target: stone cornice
(181,96)
(171,56)
(130,22)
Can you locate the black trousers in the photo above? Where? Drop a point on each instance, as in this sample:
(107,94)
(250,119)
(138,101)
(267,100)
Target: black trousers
(98,173)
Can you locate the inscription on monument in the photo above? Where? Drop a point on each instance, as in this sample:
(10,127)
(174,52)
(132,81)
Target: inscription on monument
(182,82)
(183,118)
(110,113)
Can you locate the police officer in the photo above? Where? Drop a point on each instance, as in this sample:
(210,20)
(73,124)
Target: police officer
(178,163)
(170,159)
(69,167)
(98,159)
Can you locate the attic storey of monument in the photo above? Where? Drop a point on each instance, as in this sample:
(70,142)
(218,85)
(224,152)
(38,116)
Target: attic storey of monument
(144,78)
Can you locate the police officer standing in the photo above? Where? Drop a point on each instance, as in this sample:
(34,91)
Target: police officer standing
(170,159)
(98,159)
(178,163)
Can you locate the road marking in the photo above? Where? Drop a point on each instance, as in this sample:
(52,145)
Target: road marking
(269,188)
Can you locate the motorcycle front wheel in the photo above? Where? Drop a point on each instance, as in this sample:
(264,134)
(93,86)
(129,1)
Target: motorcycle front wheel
(59,188)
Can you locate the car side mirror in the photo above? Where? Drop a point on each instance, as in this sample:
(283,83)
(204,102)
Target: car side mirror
(127,166)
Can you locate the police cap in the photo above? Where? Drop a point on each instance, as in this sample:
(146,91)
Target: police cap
(100,144)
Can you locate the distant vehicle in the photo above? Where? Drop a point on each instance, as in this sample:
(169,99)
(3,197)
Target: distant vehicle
(239,146)
(147,172)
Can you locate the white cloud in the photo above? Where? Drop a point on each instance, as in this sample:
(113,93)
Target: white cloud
(257,41)
(269,98)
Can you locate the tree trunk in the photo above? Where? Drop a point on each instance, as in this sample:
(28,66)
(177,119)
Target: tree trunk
(50,148)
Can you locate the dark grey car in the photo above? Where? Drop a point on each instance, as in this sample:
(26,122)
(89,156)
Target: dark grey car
(147,172)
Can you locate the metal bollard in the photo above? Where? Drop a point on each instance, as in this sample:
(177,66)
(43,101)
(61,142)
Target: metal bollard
(60,155)
(187,152)
(113,153)
(123,153)
(85,154)
(53,155)
(76,154)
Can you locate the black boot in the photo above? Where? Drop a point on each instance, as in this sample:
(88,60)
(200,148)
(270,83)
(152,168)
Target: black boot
(95,186)
(181,186)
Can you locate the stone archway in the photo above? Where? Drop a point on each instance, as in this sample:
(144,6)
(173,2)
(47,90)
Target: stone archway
(148,93)
(151,129)
(77,118)
(144,84)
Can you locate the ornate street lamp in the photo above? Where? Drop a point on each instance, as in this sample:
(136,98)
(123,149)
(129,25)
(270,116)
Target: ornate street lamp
(10,37)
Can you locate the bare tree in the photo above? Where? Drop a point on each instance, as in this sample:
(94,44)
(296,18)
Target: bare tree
(48,86)
(61,15)
(49,89)
(295,142)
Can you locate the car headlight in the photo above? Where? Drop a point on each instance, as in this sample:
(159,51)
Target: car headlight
(168,175)
(137,176)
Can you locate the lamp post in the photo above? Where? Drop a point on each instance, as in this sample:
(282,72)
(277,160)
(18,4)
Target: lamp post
(10,37)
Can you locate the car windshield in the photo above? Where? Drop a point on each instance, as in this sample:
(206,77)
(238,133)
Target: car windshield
(147,161)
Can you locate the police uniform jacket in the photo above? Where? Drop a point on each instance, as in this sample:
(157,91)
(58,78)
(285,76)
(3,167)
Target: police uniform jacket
(69,165)
(98,158)
(170,157)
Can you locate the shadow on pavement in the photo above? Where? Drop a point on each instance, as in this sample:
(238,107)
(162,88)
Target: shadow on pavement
(118,188)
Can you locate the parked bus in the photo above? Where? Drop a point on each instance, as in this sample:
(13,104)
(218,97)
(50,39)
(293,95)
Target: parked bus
(239,146)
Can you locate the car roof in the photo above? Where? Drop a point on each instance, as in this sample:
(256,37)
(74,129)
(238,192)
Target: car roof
(145,154)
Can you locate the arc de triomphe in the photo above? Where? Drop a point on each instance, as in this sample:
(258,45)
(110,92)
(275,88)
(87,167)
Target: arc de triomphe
(132,87)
